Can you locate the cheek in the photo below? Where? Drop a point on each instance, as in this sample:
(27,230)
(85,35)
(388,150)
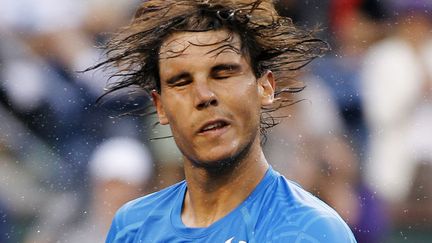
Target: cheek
(252,94)
(174,106)
(176,120)
(247,104)
(178,112)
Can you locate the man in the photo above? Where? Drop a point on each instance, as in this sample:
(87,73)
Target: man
(211,68)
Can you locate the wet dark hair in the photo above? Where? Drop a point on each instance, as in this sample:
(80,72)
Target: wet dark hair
(269,41)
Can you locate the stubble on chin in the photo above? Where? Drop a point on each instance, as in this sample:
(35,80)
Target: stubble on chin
(224,165)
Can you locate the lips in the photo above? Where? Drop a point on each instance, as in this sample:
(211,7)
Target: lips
(213,125)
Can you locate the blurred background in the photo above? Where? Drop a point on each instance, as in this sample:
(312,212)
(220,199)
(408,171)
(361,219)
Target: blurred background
(361,139)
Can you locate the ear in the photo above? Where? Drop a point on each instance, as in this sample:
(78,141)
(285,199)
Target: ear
(266,88)
(159,107)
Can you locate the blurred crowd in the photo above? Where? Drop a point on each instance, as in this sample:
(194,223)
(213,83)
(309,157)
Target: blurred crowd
(360,138)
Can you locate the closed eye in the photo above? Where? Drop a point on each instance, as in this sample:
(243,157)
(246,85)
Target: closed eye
(179,80)
(224,71)
(182,82)
(222,76)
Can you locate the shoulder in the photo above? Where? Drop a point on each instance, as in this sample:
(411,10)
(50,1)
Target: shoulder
(133,214)
(300,216)
(152,201)
(314,227)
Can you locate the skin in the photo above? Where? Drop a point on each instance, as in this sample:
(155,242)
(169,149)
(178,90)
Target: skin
(199,85)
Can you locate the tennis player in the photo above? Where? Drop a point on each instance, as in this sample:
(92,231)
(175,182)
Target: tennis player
(215,71)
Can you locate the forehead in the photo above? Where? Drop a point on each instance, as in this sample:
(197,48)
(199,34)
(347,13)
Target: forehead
(209,43)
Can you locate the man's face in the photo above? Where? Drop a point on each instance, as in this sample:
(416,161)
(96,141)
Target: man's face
(210,96)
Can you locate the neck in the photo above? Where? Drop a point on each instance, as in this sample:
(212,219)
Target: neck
(213,194)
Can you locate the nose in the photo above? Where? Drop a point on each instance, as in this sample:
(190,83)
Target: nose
(204,96)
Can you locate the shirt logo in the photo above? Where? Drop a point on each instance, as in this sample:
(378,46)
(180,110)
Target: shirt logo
(231,241)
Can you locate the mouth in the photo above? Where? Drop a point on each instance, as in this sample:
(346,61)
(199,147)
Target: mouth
(213,126)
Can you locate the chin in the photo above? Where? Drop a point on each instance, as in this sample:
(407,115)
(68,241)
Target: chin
(216,165)
(221,160)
